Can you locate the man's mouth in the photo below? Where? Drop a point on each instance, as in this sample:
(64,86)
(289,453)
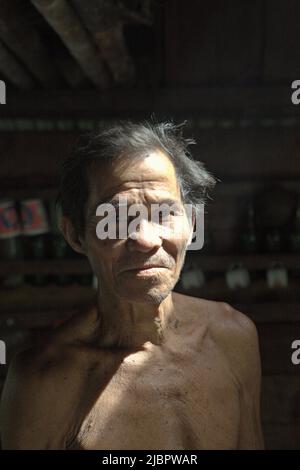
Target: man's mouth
(148,271)
(149,268)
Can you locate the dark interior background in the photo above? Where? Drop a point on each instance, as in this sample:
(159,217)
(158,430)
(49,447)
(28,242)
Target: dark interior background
(224,66)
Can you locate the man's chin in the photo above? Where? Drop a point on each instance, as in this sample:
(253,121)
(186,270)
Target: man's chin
(154,295)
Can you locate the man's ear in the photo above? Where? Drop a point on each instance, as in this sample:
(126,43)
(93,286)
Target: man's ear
(70,235)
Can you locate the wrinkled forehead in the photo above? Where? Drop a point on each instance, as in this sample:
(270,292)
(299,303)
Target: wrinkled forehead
(150,178)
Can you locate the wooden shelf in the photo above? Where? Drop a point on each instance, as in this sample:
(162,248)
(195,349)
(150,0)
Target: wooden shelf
(209,263)
(257,292)
(254,262)
(29,299)
(61,299)
(45,266)
(38,304)
(202,101)
(53,298)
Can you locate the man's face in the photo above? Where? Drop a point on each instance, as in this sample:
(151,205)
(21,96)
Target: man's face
(144,267)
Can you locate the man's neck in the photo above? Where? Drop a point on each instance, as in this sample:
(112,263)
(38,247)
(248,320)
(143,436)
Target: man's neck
(128,324)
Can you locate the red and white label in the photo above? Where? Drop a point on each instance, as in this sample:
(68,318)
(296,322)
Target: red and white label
(34,217)
(9,222)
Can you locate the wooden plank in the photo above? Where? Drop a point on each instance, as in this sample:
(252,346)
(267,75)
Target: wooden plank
(69,69)
(31,299)
(254,262)
(256,155)
(246,102)
(275,345)
(104,22)
(18,33)
(41,318)
(215,288)
(211,43)
(32,154)
(250,153)
(281,399)
(46,266)
(209,263)
(282,436)
(282,61)
(63,19)
(13,70)
(271,312)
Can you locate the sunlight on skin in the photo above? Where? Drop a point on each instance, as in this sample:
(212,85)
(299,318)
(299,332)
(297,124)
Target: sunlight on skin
(137,297)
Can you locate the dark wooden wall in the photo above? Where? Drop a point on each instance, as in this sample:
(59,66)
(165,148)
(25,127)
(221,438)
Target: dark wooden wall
(226,66)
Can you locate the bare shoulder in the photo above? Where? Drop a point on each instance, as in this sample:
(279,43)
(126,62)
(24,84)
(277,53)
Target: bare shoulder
(34,372)
(223,320)
(42,379)
(233,332)
(232,327)
(61,350)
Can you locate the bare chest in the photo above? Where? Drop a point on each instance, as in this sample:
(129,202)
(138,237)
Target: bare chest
(160,401)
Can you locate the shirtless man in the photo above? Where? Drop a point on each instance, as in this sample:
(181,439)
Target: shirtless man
(142,367)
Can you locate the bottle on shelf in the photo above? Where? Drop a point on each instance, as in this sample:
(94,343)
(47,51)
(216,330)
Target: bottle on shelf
(35,235)
(10,240)
(237,276)
(294,238)
(277,275)
(192,276)
(273,240)
(249,239)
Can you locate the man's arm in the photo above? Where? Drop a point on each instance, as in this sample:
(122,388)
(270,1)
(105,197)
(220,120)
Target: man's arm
(242,348)
(33,409)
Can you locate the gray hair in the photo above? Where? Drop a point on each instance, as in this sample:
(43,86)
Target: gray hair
(129,140)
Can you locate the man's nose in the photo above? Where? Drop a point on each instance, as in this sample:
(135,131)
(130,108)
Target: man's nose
(145,238)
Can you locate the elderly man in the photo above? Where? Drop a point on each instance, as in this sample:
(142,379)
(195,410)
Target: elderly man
(142,367)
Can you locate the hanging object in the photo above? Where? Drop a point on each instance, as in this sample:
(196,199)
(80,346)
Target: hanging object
(249,235)
(277,276)
(192,277)
(294,236)
(237,276)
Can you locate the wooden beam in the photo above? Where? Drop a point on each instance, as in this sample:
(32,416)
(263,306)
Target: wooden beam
(102,18)
(64,20)
(13,70)
(18,33)
(69,69)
